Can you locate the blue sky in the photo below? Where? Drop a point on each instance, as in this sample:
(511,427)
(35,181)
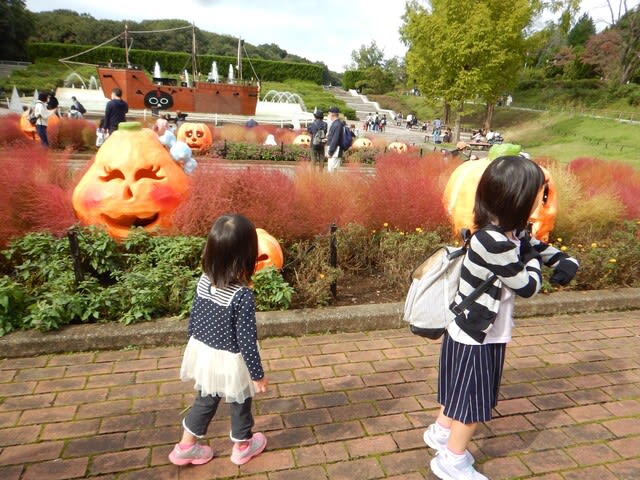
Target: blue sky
(324,30)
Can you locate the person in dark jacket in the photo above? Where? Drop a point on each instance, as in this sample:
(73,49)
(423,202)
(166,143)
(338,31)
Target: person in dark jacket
(115,111)
(334,153)
(318,141)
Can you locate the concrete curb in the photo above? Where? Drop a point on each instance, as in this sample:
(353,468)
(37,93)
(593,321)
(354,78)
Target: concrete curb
(172,331)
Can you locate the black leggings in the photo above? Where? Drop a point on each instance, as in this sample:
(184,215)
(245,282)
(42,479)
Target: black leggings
(203,410)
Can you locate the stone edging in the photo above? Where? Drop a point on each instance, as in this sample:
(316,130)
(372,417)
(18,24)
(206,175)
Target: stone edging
(172,331)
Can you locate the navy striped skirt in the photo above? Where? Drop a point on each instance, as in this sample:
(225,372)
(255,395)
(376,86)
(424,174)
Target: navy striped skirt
(469,379)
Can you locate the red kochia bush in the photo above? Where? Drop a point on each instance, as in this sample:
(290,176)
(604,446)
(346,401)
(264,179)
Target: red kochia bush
(11,133)
(264,195)
(599,176)
(407,191)
(34,194)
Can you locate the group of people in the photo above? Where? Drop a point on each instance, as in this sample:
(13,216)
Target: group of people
(326,138)
(48,105)
(222,355)
(375,122)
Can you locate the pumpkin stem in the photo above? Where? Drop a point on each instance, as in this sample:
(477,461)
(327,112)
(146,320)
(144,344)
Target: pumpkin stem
(130,126)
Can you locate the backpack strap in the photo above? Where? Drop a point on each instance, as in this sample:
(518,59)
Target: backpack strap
(459,308)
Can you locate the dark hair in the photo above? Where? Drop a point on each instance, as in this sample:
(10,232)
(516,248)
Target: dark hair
(506,192)
(43,96)
(231,251)
(117,91)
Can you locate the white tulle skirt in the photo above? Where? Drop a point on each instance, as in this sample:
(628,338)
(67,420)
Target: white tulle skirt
(216,372)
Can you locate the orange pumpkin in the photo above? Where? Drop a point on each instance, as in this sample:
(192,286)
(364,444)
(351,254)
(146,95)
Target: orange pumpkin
(460,194)
(133,181)
(362,142)
(302,139)
(269,251)
(399,147)
(197,135)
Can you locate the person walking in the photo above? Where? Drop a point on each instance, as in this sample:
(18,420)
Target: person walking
(474,344)
(222,355)
(318,132)
(333,152)
(42,114)
(115,111)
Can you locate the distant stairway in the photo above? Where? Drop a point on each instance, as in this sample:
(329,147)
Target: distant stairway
(359,103)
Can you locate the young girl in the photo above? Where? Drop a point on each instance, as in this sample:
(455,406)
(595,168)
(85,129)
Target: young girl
(222,353)
(473,347)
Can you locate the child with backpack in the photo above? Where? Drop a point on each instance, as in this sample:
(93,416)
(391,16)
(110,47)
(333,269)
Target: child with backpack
(222,353)
(474,344)
(318,132)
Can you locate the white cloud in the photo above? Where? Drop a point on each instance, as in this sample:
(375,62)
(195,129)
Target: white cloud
(326,31)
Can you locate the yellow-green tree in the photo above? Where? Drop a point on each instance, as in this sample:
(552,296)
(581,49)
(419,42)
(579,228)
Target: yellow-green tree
(466,49)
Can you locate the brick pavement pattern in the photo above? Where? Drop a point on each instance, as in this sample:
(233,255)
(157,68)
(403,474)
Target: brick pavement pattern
(340,406)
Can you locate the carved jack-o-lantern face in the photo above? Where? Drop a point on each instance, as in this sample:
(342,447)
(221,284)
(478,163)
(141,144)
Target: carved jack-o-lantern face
(399,147)
(269,251)
(302,139)
(460,194)
(133,181)
(362,142)
(197,135)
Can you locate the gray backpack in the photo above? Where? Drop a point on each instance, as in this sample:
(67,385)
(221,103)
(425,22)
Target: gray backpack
(319,138)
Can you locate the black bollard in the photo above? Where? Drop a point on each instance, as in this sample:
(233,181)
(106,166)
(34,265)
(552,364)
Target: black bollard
(74,246)
(333,257)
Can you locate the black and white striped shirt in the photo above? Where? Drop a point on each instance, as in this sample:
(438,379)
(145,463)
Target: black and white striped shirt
(492,252)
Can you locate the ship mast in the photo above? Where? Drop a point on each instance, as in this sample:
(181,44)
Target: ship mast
(239,65)
(126,44)
(194,60)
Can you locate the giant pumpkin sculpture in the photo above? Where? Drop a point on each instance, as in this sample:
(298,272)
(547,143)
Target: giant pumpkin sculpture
(269,251)
(197,135)
(460,194)
(302,139)
(362,142)
(133,182)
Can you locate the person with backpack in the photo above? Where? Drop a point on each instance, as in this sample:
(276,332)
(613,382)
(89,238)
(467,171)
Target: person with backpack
(339,139)
(318,132)
(76,110)
(42,114)
(473,347)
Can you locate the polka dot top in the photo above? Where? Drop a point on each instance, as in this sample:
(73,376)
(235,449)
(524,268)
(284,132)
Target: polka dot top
(225,319)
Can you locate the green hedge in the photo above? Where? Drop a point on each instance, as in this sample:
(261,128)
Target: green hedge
(174,63)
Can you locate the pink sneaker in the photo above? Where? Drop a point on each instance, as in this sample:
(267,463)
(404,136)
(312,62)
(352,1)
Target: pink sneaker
(196,455)
(255,447)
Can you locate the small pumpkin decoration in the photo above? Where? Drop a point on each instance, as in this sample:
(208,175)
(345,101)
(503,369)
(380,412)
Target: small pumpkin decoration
(26,127)
(460,193)
(197,135)
(133,182)
(269,251)
(362,142)
(399,147)
(302,139)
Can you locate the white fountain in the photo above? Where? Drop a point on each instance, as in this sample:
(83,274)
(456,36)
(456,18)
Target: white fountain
(15,104)
(231,79)
(156,71)
(213,75)
(186,77)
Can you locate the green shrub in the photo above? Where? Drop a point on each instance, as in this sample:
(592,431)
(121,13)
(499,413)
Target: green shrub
(272,292)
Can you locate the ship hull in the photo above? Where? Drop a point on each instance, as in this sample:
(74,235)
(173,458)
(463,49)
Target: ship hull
(140,92)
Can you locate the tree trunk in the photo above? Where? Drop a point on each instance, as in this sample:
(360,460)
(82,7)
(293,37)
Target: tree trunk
(447,112)
(491,106)
(456,128)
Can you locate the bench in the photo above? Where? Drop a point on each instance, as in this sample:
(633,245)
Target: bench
(479,145)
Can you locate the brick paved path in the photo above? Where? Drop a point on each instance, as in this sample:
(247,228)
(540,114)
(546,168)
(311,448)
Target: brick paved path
(341,406)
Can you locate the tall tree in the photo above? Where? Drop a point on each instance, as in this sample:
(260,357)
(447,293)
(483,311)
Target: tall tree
(367,57)
(465,49)
(16,25)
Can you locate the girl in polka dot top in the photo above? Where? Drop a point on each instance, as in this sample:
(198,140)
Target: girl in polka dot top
(222,355)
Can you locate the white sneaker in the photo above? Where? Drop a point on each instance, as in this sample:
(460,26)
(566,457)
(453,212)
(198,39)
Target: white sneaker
(446,466)
(437,437)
